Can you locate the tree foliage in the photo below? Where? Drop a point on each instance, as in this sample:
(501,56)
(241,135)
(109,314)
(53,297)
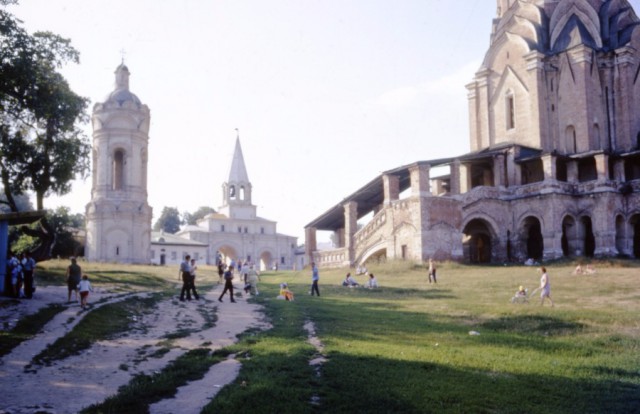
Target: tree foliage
(42,147)
(169,220)
(192,218)
(66,228)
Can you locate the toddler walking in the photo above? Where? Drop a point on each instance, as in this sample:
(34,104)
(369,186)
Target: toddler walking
(84,287)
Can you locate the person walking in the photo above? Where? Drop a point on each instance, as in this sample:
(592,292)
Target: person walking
(28,267)
(545,287)
(192,286)
(74,275)
(432,271)
(185,274)
(228,284)
(315,277)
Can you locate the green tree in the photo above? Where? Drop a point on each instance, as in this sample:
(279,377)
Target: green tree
(192,218)
(42,147)
(65,226)
(169,220)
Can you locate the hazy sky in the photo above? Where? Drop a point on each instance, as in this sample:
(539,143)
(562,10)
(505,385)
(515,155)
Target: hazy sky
(326,94)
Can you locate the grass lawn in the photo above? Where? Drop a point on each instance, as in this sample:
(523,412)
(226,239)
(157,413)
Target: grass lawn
(406,347)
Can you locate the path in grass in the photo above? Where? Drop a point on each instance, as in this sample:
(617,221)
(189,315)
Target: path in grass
(18,373)
(153,341)
(233,319)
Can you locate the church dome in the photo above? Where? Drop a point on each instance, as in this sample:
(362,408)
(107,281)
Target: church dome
(122,95)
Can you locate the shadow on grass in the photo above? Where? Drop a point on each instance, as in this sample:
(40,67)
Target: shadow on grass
(533,324)
(382,385)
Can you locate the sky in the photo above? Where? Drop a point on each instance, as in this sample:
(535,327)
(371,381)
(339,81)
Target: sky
(326,94)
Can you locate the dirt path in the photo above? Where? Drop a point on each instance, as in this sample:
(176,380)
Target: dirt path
(79,381)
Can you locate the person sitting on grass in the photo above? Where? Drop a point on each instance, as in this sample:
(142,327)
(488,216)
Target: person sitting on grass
(520,295)
(285,293)
(350,281)
(373,282)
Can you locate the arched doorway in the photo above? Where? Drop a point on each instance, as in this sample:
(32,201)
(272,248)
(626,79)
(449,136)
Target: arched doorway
(533,240)
(635,225)
(266,262)
(621,245)
(228,254)
(569,236)
(589,246)
(476,241)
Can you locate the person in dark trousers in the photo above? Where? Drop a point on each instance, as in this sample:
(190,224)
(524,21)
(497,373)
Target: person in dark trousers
(228,285)
(432,271)
(185,273)
(28,267)
(315,276)
(192,286)
(74,274)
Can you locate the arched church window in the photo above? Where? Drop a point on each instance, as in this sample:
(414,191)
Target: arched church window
(241,196)
(510,110)
(118,170)
(232,192)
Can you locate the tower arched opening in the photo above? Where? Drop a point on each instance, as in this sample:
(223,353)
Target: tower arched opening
(476,241)
(589,240)
(532,237)
(118,170)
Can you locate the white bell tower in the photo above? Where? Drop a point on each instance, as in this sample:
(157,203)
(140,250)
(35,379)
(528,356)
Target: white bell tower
(118,215)
(236,191)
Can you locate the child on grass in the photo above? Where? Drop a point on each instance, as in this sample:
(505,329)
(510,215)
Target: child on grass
(84,287)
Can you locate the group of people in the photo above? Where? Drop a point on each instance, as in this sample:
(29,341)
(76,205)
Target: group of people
(349,281)
(249,276)
(78,283)
(187,273)
(21,268)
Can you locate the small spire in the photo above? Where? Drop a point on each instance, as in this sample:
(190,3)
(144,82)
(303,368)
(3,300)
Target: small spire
(238,172)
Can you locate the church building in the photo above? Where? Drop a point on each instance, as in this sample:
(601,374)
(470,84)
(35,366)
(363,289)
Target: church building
(236,232)
(118,217)
(554,167)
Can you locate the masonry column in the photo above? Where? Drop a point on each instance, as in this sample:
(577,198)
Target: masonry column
(350,228)
(391,184)
(602,166)
(463,171)
(498,170)
(454,177)
(420,180)
(513,171)
(310,243)
(549,167)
